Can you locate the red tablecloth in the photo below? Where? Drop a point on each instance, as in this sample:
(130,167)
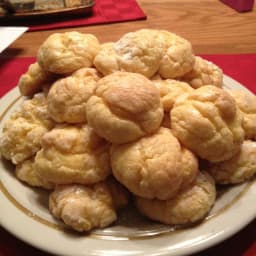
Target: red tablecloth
(104,11)
(239,67)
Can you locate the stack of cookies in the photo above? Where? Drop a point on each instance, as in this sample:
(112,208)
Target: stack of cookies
(103,124)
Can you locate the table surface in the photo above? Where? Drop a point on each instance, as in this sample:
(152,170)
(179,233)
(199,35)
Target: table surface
(211,27)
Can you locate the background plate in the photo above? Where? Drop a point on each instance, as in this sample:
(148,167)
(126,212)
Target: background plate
(35,14)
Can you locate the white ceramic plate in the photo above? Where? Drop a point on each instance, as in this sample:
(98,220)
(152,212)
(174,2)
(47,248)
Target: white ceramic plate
(24,213)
